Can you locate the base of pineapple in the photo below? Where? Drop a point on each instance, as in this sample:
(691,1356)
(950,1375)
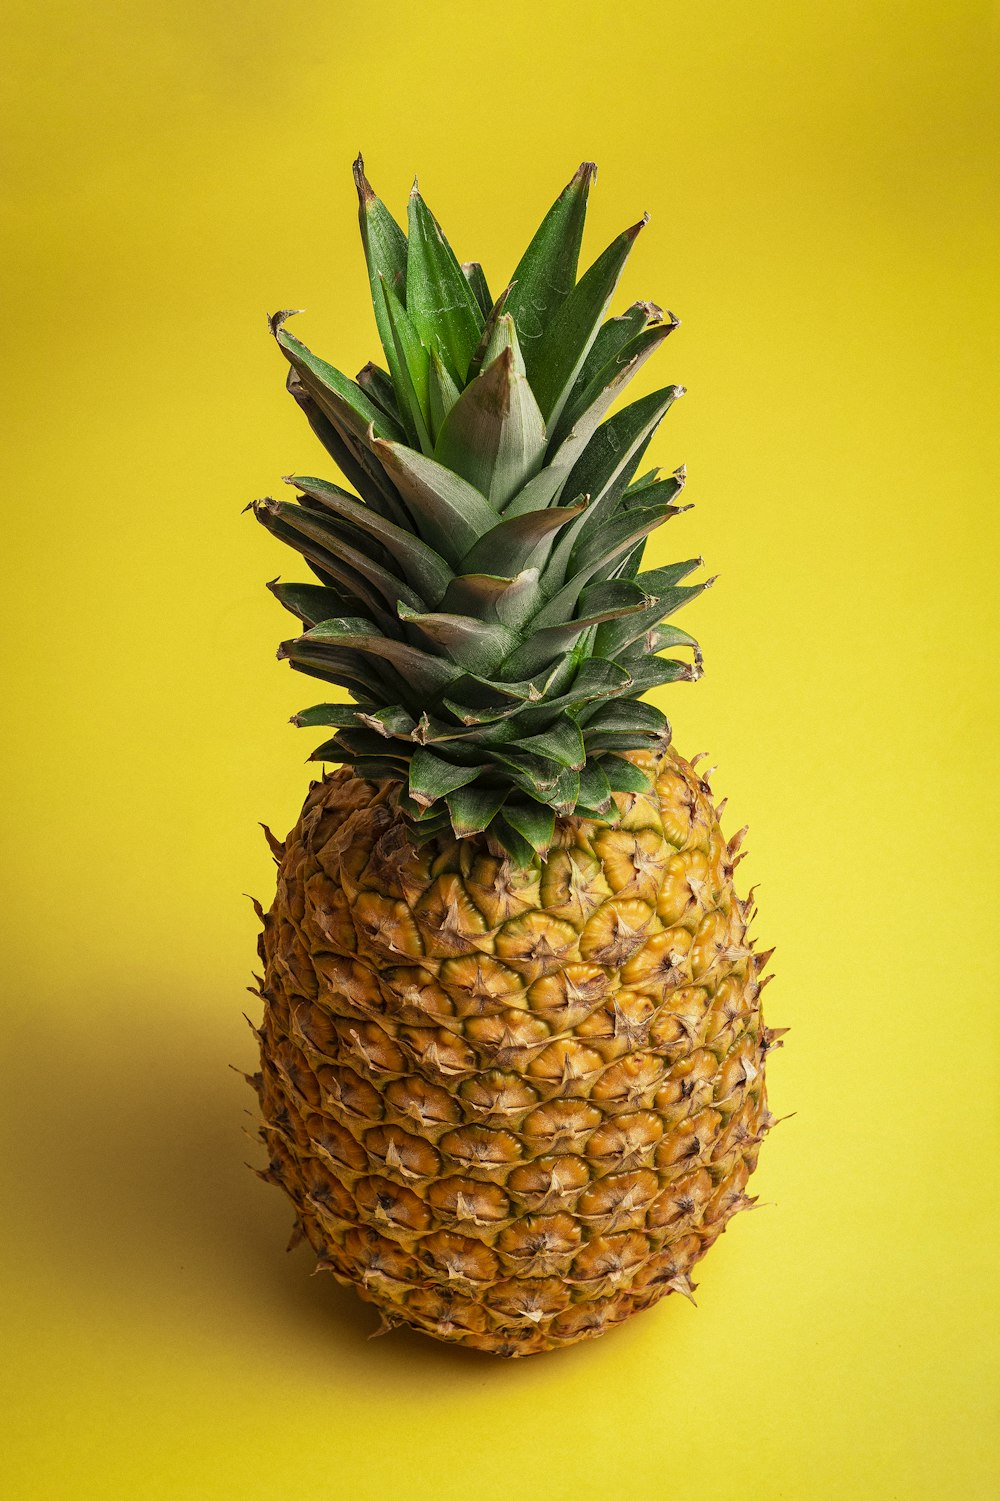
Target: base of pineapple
(512,1107)
(528,1317)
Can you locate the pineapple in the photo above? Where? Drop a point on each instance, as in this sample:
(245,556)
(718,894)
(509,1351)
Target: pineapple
(512,1052)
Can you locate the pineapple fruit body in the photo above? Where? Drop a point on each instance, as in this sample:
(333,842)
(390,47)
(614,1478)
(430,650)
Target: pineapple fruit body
(512,1106)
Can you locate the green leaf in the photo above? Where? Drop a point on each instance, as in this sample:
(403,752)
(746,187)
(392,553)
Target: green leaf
(503,335)
(567,792)
(521,852)
(360,741)
(336,716)
(562,605)
(649,672)
(431,778)
(309,603)
(614,636)
(624,715)
(350,455)
(562,743)
(595,789)
(573,330)
(410,366)
(385,251)
(443,393)
(430,730)
(370,768)
(450,514)
(422,567)
(625,740)
(438,296)
(341,400)
(595,679)
(475,276)
(535,775)
(546,272)
(618,536)
(657,579)
(612,337)
(477,700)
(535,822)
(473,808)
(378,387)
(538,494)
(624,776)
(518,542)
(317,528)
(494,435)
(476,645)
(582,416)
(644,481)
(629,717)
(598,602)
(613,453)
(512,601)
(392,722)
(330,569)
(655,492)
(348,669)
(494,315)
(424,673)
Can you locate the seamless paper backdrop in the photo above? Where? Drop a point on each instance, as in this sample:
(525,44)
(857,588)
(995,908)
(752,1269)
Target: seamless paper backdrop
(821,182)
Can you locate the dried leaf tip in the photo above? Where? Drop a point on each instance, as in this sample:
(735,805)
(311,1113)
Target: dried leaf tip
(366,193)
(586,172)
(276,321)
(632,233)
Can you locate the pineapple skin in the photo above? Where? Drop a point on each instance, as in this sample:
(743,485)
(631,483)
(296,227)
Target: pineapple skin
(512,1107)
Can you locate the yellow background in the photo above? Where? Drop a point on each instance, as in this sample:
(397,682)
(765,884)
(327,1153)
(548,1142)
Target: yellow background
(821,181)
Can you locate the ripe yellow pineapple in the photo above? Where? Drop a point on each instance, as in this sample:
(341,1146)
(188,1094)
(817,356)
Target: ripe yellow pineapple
(512,1054)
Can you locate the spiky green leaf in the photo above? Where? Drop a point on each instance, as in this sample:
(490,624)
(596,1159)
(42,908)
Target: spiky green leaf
(438,296)
(341,400)
(409,362)
(424,672)
(533,821)
(568,338)
(519,542)
(431,778)
(624,776)
(478,646)
(419,564)
(494,435)
(476,277)
(546,273)
(450,514)
(473,808)
(442,393)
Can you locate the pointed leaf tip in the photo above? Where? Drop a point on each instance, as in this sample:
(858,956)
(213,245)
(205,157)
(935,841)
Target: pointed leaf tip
(276,321)
(365,190)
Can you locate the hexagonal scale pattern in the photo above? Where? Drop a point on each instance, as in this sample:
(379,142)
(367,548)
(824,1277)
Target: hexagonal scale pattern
(512,1107)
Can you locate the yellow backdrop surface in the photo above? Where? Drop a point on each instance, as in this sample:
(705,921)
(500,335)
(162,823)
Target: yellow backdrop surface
(821,185)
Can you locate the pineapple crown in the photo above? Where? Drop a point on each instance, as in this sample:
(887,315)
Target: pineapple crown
(479,593)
